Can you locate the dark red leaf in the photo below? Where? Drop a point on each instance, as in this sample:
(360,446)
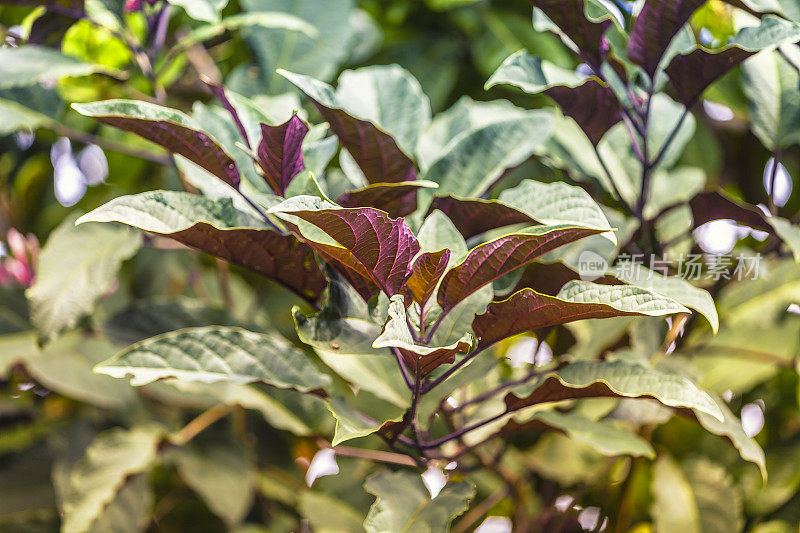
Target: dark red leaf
(656,25)
(494,259)
(280,153)
(382,245)
(472,217)
(351,270)
(397,199)
(425,274)
(219,92)
(528,310)
(692,73)
(592,105)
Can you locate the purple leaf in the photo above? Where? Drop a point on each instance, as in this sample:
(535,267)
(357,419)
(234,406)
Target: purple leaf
(382,245)
(376,152)
(472,217)
(655,26)
(219,92)
(569,16)
(426,272)
(280,153)
(169,129)
(494,259)
(708,206)
(351,270)
(692,73)
(592,105)
(397,199)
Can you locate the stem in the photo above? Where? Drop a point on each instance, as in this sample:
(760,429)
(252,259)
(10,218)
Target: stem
(452,370)
(403,368)
(199,424)
(670,139)
(776,157)
(411,415)
(371,455)
(608,175)
(160,34)
(508,385)
(464,430)
(224,275)
(478,512)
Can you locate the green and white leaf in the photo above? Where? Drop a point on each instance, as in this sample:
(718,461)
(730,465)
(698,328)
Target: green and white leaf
(204,10)
(211,354)
(557,203)
(621,297)
(789,233)
(76,267)
(359,417)
(532,74)
(31,64)
(404,504)
(97,478)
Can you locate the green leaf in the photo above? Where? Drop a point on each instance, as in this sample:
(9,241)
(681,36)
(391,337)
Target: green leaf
(585,379)
(342,335)
(31,64)
(129,511)
(673,287)
(319,56)
(404,504)
(438,233)
(669,188)
(205,10)
(211,354)
(603,436)
(474,160)
(360,417)
(532,74)
(762,301)
(77,265)
(790,233)
(220,473)
(557,203)
(218,228)
(674,507)
(327,514)
(260,19)
(113,456)
(771,85)
(422,359)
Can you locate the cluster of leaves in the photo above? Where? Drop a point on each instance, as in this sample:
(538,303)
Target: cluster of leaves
(418,258)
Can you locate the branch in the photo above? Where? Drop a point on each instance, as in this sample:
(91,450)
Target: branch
(201,423)
(370,455)
(452,370)
(403,369)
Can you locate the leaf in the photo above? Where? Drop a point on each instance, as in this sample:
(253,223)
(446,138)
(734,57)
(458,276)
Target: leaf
(212,354)
(770,84)
(672,287)
(674,187)
(76,267)
(731,429)
(168,128)
(384,246)
(474,216)
(264,19)
(590,379)
(492,260)
(603,436)
(692,73)
(279,152)
(789,233)
(422,359)
(718,499)
(475,160)
(426,272)
(220,473)
(585,35)
(527,310)
(657,24)
(129,511)
(113,456)
(351,423)
(438,233)
(397,199)
(377,153)
(319,55)
(557,203)
(219,229)
(32,64)
(342,335)
(327,514)
(592,105)
(674,507)
(204,10)
(404,504)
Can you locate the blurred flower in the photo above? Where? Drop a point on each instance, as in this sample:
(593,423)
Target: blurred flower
(18,262)
(752,419)
(73,175)
(495,524)
(323,464)
(783,183)
(435,480)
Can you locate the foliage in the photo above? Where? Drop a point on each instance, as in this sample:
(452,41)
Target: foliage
(449,234)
